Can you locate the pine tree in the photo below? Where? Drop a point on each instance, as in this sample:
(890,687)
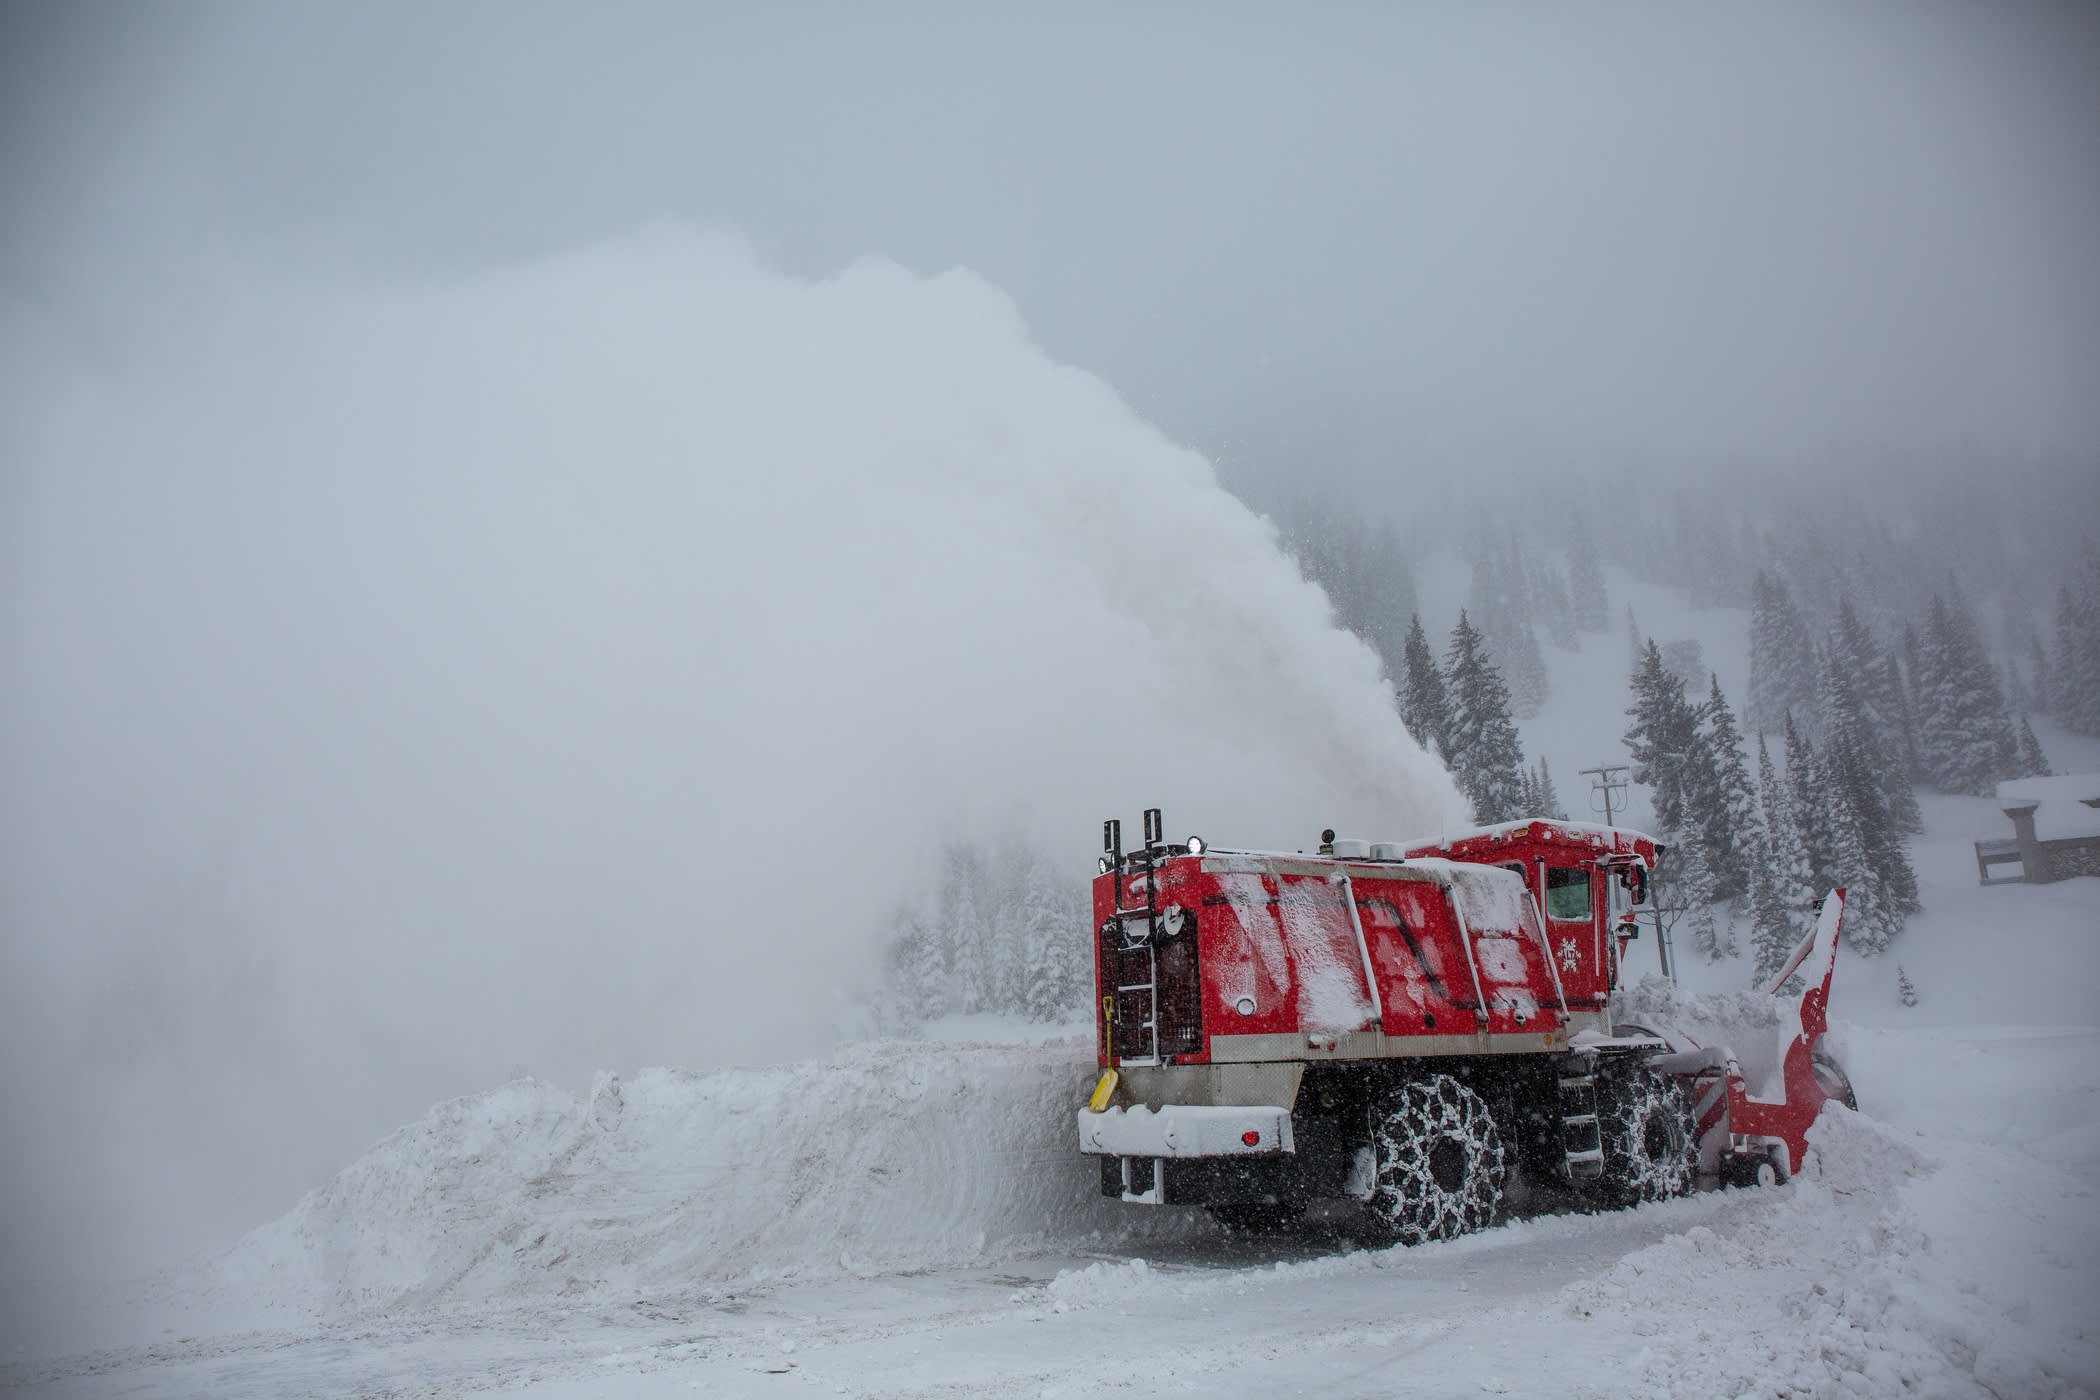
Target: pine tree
(1907,722)
(1424,707)
(1545,799)
(1051,921)
(1664,739)
(1804,776)
(1635,644)
(2043,687)
(1485,757)
(2033,762)
(1688,888)
(1965,739)
(2074,673)
(1906,991)
(1782,886)
(1720,803)
(1782,661)
(1867,854)
(1878,687)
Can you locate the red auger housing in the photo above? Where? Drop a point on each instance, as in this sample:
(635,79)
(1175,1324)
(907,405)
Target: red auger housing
(1401,1024)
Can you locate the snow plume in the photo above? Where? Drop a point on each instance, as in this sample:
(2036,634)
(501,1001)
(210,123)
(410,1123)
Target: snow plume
(571,667)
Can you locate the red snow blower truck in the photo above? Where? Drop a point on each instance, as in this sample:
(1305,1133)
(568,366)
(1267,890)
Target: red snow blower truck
(1417,1027)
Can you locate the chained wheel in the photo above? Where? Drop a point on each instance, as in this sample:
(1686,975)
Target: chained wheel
(1649,1133)
(1439,1164)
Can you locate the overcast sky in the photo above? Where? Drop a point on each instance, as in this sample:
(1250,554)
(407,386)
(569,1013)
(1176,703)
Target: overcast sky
(1349,236)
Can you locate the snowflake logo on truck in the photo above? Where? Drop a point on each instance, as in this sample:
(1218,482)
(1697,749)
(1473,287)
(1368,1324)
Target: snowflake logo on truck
(1570,958)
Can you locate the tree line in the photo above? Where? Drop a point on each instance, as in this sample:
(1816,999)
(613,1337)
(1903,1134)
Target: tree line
(1004,931)
(1933,699)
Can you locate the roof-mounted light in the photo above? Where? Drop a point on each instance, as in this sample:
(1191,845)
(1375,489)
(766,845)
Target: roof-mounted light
(1103,864)
(1195,845)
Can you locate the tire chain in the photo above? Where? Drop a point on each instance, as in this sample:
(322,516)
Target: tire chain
(1407,1195)
(1634,1100)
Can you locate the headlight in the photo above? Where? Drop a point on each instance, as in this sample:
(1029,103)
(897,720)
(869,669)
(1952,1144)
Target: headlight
(1195,845)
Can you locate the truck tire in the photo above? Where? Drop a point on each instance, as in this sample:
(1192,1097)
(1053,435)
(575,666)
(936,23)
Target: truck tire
(1439,1166)
(1649,1133)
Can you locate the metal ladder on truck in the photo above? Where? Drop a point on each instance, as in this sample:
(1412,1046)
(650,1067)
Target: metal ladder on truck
(1580,1135)
(1147,862)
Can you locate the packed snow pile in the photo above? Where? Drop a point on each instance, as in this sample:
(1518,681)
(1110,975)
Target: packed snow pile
(893,1154)
(1881,1270)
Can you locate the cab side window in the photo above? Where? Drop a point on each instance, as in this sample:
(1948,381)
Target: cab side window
(1568,894)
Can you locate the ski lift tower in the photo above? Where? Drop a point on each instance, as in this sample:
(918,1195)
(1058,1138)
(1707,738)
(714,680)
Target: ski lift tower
(1608,781)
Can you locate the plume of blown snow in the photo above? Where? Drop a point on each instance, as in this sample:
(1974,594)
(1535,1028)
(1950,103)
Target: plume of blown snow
(569,667)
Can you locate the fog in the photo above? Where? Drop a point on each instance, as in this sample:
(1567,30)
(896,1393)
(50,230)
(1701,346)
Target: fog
(1354,241)
(574,666)
(521,530)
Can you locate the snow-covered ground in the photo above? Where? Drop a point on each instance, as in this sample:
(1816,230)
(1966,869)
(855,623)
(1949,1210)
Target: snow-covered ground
(909,1219)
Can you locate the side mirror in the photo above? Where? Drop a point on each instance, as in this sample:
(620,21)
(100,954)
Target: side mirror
(1634,880)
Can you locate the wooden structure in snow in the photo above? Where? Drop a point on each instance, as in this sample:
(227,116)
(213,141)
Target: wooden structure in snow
(2056,830)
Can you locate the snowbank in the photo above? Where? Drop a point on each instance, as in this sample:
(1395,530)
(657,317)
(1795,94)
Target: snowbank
(1880,1271)
(888,1156)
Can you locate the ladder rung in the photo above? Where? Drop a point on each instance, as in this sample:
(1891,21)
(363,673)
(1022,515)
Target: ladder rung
(1593,1154)
(1574,1118)
(1136,987)
(1585,1081)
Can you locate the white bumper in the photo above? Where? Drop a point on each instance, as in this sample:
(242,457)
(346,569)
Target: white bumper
(1186,1130)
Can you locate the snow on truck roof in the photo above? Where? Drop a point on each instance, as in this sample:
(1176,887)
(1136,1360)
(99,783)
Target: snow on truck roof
(1422,853)
(1535,829)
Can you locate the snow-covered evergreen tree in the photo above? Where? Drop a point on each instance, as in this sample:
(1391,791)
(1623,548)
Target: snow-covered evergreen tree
(1664,738)
(1686,885)
(1782,882)
(1485,756)
(1913,769)
(2033,763)
(1425,708)
(1867,854)
(1878,687)
(1805,784)
(2043,688)
(1782,660)
(1545,799)
(1965,739)
(1906,990)
(2074,671)
(1005,931)
(1720,802)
